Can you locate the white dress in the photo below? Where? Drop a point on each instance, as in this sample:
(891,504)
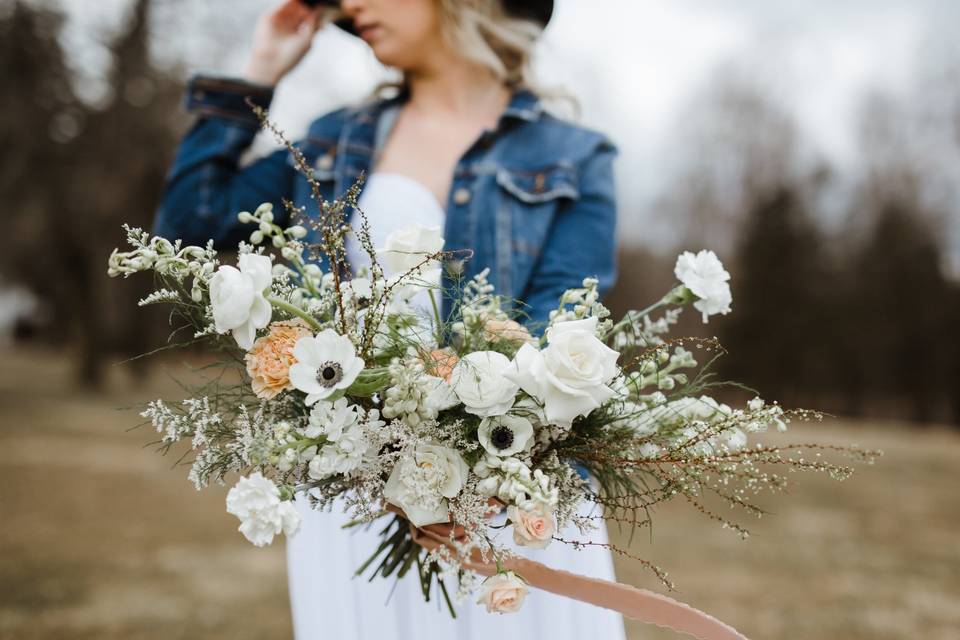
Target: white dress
(327,601)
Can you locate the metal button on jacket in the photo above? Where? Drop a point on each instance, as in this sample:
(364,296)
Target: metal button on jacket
(461,195)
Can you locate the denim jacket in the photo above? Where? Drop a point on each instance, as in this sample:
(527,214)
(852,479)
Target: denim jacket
(533,198)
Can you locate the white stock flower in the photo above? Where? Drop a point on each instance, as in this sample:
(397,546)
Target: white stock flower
(256,501)
(410,246)
(236,296)
(570,376)
(503,593)
(422,481)
(703,274)
(326,363)
(505,435)
(479,380)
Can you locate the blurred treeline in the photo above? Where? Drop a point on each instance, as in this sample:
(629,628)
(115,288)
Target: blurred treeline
(858,318)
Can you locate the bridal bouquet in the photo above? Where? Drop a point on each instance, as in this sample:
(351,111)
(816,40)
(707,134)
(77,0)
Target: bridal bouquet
(362,395)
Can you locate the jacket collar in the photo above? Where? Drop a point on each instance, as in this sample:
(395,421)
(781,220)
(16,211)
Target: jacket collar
(523,105)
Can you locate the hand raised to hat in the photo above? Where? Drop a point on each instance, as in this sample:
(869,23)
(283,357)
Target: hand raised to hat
(282,37)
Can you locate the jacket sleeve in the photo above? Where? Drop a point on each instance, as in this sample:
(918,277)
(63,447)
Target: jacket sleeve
(207,187)
(582,239)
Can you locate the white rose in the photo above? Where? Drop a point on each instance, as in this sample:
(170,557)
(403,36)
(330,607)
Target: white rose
(410,246)
(236,296)
(256,501)
(503,592)
(703,274)
(570,376)
(480,382)
(421,483)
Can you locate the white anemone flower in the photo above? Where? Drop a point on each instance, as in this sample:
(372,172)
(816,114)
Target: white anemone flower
(703,274)
(505,435)
(236,296)
(326,363)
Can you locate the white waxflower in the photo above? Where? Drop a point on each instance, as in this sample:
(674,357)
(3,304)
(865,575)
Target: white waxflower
(571,375)
(703,274)
(408,247)
(256,501)
(326,363)
(422,481)
(236,296)
(505,435)
(331,418)
(480,382)
(503,592)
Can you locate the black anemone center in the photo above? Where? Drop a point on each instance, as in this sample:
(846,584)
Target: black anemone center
(501,437)
(329,374)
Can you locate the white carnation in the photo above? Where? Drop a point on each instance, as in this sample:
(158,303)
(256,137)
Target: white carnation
(703,274)
(256,501)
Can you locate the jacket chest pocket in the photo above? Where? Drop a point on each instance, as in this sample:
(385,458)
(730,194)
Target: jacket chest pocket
(530,202)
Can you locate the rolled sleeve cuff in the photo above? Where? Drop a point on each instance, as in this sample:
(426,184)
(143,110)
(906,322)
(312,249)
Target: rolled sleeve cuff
(220,97)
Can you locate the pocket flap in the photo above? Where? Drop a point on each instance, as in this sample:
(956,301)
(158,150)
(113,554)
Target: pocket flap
(540,186)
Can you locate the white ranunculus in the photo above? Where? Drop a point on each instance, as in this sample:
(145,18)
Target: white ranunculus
(571,375)
(480,382)
(703,274)
(408,247)
(256,501)
(505,435)
(236,296)
(326,363)
(422,482)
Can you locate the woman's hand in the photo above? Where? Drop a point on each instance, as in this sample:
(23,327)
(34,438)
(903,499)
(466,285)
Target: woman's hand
(280,40)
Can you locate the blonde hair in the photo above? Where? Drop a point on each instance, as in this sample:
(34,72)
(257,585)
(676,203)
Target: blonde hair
(484,33)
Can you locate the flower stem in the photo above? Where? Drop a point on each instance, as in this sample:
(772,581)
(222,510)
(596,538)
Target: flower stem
(436,317)
(283,305)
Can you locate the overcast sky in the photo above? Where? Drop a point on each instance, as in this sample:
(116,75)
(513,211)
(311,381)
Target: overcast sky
(634,65)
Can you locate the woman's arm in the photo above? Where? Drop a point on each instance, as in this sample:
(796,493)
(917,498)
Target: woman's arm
(582,239)
(206,187)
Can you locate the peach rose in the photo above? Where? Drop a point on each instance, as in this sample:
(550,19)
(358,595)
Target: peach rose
(503,592)
(440,363)
(532,528)
(270,357)
(495,330)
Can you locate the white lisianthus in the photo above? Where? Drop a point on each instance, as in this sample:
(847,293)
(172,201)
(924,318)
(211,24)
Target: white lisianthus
(410,246)
(503,592)
(326,363)
(703,274)
(479,380)
(505,435)
(571,375)
(423,481)
(237,300)
(256,501)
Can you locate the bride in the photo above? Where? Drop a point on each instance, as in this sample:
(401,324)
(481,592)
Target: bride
(465,145)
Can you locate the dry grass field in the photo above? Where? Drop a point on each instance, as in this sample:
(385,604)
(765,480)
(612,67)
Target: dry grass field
(100,540)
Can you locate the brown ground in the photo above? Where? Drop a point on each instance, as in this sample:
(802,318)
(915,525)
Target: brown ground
(100,539)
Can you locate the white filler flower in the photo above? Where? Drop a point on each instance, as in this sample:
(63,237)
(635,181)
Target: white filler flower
(236,296)
(703,274)
(326,363)
(503,592)
(505,435)
(421,483)
(256,501)
(570,376)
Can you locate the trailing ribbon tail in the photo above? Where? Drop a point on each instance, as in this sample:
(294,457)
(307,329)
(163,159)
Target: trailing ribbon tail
(637,604)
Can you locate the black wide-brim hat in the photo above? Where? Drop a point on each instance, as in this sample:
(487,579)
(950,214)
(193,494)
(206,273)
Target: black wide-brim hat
(540,11)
